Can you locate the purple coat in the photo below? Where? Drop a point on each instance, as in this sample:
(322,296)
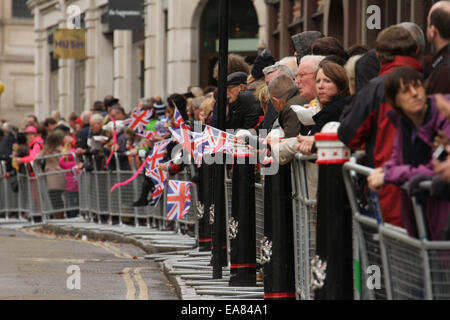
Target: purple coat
(397,172)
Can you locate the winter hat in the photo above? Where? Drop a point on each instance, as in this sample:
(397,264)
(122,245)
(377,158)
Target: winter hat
(160,109)
(30,129)
(303,42)
(262,61)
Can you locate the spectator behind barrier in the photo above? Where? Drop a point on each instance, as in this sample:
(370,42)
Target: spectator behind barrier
(438,34)
(365,121)
(55,181)
(417,120)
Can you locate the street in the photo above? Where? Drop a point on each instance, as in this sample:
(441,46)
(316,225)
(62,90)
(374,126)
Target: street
(36,265)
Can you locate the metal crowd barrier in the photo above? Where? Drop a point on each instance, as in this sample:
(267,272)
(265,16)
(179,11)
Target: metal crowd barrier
(9,198)
(410,268)
(97,202)
(304,207)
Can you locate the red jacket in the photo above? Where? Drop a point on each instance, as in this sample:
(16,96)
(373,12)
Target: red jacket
(365,122)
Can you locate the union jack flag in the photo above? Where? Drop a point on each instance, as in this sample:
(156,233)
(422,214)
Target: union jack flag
(183,136)
(159,178)
(138,121)
(177,118)
(178,199)
(200,142)
(158,153)
(218,141)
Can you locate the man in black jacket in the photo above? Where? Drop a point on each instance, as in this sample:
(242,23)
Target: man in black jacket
(243,109)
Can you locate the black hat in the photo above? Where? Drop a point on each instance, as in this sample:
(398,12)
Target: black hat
(237,78)
(262,61)
(303,42)
(111,101)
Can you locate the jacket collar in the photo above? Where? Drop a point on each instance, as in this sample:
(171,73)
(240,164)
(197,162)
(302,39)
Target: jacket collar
(400,61)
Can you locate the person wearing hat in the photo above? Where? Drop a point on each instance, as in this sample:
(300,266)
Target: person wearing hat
(35,144)
(243,109)
(303,42)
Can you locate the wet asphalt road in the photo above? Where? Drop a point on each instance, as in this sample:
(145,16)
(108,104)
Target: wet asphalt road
(39,266)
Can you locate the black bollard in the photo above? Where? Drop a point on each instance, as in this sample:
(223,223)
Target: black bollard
(242,226)
(279,272)
(334,234)
(206,199)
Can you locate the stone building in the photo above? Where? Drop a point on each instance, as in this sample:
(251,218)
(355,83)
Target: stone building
(351,21)
(16,60)
(176,48)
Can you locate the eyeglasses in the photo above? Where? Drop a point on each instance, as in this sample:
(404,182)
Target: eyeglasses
(301,75)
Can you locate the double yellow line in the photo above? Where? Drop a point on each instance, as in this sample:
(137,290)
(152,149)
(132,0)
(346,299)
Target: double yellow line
(126,273)
(131,289)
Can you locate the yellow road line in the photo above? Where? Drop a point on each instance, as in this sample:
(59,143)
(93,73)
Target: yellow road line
(120,252)
(131,289)
(143,289)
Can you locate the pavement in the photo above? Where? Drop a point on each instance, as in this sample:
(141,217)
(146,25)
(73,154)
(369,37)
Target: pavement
(188,269)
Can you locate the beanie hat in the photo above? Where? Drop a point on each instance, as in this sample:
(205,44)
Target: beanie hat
(262,61)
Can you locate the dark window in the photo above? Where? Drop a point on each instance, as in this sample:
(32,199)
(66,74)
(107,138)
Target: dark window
(20,9)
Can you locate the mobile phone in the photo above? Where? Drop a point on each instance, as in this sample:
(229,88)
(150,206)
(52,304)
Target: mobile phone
(440,154)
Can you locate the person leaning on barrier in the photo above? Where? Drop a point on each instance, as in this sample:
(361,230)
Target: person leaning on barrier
(418,120)
(35,145)
(306,83)
(365,123)
(55,181)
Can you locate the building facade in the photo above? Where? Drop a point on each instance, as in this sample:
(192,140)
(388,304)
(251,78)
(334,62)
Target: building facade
(351,21)
(174,50)
(16,60)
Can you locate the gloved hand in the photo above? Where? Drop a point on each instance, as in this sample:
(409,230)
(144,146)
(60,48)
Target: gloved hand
(413,185)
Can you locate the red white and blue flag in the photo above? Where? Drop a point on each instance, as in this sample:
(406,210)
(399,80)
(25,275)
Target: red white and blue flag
(138,120)
(183,136)
(200,142)
(157,155)
(178,199)
(159,178)
(177,118)
(218,141)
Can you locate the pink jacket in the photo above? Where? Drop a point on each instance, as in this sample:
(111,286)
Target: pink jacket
(35,146)
(67,164)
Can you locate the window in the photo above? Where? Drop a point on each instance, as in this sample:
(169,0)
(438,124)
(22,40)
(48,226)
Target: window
(20,9)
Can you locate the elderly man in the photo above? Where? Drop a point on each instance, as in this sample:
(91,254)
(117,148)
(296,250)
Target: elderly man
(285,151)
(438,34)
(243,110)
(271,116)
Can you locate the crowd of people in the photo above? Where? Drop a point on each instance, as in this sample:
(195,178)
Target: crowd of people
(390,102)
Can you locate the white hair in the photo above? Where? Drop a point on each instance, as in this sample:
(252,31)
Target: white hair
(417,33)
(283,69)
(96,118)
(315,60)
(291,63)
(85,116)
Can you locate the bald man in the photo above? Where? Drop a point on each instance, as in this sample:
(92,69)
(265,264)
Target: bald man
(438,35)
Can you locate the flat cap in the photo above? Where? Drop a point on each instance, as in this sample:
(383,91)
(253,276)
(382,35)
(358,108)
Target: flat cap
(237,78)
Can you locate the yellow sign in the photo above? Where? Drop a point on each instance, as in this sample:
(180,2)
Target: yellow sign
(69,44)
(2,88)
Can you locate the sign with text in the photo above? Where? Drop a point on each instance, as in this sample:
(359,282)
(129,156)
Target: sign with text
(125,15)
(69,44)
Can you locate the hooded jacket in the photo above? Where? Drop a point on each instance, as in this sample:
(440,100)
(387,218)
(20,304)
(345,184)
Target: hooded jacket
(402,167)
(365,124)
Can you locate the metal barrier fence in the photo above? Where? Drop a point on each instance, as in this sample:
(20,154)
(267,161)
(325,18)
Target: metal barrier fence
(304,206)
(9,193)
(410,268)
